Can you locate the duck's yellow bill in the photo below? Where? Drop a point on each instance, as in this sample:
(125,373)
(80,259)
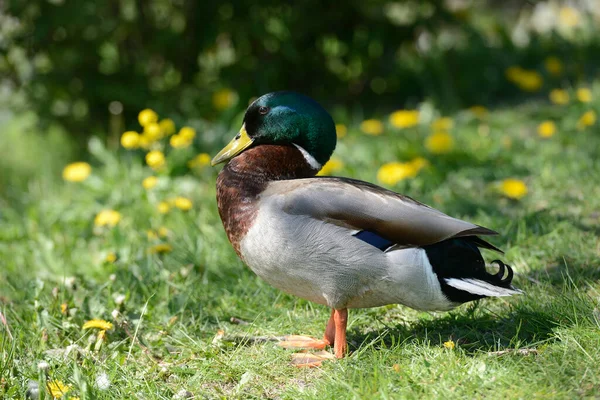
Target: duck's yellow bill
(239,143)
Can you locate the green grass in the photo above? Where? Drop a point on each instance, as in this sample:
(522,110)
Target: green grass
(175,304)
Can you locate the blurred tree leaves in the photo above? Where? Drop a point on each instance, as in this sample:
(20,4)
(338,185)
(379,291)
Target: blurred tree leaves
(73,58)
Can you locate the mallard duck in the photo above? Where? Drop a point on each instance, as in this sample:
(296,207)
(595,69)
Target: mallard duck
(335,241)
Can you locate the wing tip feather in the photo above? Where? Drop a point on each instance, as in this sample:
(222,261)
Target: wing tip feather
(479,230)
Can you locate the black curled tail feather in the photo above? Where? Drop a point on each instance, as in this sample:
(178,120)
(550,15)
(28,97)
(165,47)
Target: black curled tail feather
(461,271)
(501,269)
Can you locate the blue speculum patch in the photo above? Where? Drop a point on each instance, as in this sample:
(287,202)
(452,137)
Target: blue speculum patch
(374,240)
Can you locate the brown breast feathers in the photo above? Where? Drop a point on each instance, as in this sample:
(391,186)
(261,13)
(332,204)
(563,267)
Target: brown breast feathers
(244,177)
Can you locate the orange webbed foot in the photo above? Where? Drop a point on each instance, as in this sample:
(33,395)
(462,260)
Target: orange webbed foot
(310,360)
(335,335)
(302,342)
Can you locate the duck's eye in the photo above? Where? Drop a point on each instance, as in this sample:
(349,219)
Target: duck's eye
(263,110)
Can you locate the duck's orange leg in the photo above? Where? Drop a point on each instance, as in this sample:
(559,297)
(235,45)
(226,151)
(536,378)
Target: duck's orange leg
(335,334)
(340,318)
(306,342)
(329,335)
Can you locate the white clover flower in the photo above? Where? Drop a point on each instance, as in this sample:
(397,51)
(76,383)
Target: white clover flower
(33,389)
(69,282)
(119,298)
(102,381)
(43,365)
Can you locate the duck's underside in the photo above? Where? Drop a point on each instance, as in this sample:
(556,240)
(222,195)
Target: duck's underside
(439,277)
(344,268)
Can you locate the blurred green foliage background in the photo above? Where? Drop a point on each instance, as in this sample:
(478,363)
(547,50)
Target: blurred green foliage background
(79,62)
(111,110)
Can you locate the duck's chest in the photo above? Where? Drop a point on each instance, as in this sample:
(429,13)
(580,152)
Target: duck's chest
(293,253)
(238,207)
(241,182)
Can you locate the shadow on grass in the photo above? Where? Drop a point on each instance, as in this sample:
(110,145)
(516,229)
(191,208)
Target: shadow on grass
(474,334)
(531,323)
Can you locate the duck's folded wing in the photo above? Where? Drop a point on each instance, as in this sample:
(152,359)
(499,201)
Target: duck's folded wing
(364,206)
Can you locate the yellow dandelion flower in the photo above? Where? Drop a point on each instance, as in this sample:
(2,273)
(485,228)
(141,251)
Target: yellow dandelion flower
(144,142)
(439,143)
(404,118)
(167,126)
(419,163)
(341,130)
(513,188)
(153,132)
(107,218)
(559,96)
(394,172)
(163,207)
(450,345)
(183,203)
(530,81)
(160,248)
(584,95)
(201,160)
(372,127)
(149,182)
(57,389)
(479,111)
(553,65)
(587,119)
(163,231)
(442,124)
(513,73)
(77,172)
(569,17)
(147,116)
(333,165)
(546,129)
(151,234)
(155,159)
(64,307)
(98,324)
(527,80)
(110,257)
(187,132)
(130,140)
(179,142)
(224,98)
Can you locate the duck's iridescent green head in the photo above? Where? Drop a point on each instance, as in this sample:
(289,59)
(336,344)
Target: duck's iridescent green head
(284,118)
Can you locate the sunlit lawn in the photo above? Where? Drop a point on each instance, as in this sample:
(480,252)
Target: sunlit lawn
(164,275)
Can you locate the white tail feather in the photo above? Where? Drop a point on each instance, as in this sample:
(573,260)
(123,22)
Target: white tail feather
(479,287)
